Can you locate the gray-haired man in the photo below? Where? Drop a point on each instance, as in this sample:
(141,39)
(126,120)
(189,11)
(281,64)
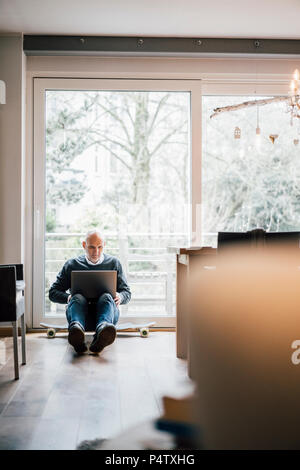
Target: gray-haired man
(105,308)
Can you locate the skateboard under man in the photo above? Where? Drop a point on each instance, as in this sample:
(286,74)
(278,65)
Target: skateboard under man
(143,328)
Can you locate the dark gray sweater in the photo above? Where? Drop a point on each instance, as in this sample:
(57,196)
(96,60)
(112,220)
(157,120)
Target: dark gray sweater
(57,292)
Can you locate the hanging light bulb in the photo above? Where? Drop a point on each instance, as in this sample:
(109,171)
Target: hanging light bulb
(294,82)
(294,87)
(294,102)
(257,121)
(258,131)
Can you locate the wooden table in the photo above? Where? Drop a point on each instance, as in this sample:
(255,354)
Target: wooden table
(189,260)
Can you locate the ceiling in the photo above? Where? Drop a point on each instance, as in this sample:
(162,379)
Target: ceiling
(272,19)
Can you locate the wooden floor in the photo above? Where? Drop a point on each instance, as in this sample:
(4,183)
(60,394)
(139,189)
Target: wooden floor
(62,399)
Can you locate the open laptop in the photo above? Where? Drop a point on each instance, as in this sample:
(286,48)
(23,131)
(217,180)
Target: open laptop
(92,284)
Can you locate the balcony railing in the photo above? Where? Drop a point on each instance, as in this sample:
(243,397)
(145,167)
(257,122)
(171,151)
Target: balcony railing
(149,268)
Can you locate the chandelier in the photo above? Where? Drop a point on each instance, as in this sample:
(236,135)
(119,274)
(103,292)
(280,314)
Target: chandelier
(293,103)
(292,100)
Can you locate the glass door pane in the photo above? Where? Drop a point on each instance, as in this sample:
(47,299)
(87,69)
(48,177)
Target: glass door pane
(251,181)
(119,161)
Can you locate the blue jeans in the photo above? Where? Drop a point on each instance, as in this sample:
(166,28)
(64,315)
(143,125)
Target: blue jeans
(91,315)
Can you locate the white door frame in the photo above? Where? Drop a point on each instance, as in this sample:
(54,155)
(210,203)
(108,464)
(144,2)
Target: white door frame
(40,86)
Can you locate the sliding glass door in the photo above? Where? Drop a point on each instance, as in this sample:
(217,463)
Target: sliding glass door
(250,163)
(116,155)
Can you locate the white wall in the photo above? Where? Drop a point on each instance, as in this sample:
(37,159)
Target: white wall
(12,68)
(269,72)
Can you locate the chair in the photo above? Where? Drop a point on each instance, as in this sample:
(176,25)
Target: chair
(12,305)
(258,237)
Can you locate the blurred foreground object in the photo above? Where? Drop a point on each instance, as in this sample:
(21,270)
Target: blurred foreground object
(245,316)
(179,419)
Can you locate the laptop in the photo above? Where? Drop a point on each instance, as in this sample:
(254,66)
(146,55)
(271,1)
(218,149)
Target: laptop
(92,284)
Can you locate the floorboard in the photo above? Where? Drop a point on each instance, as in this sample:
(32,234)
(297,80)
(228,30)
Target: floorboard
(62,399)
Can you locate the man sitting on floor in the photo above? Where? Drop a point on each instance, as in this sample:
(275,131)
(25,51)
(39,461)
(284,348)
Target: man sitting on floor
(106,308)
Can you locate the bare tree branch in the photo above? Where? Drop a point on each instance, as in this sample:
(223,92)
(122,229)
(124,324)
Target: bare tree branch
(164,140)
(115,142)
(113,153)
(116,117)
(158,108)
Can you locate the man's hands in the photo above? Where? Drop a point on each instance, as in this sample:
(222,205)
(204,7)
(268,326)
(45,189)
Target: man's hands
(69,297)
(117,299)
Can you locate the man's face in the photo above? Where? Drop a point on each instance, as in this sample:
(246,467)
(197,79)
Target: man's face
(93,247)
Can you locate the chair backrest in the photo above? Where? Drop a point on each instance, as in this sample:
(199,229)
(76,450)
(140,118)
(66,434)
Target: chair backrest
(7,293)
(19,270)
(258,238)
(229,239)
(292,238)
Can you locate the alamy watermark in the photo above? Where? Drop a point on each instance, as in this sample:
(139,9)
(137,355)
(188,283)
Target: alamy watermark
(295,357)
